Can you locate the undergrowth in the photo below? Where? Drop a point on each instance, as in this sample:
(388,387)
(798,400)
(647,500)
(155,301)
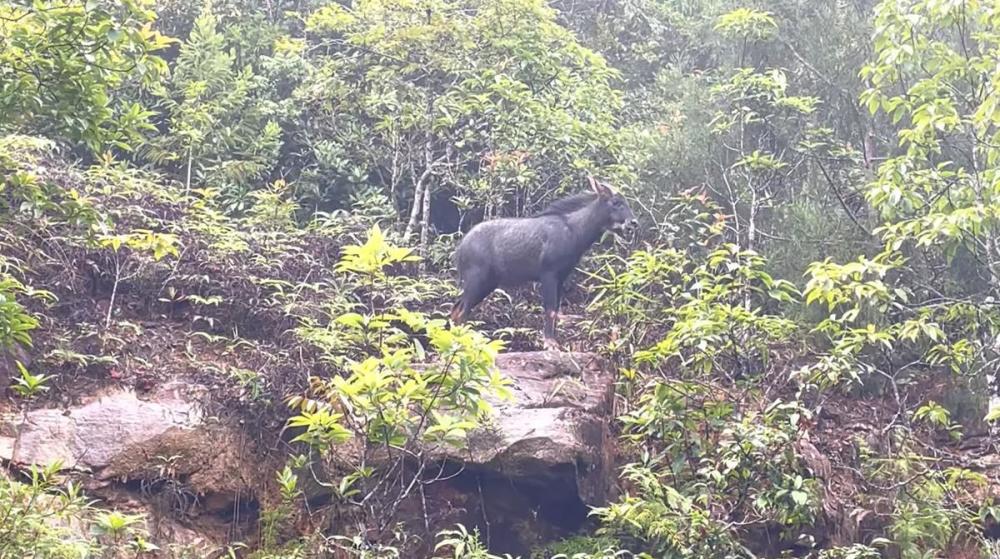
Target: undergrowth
(114,276)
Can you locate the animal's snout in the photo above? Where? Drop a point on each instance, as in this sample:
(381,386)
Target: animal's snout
(626,229)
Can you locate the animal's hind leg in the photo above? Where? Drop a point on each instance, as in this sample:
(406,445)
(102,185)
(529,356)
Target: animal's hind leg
(550,303)
(458,311)
(476,287)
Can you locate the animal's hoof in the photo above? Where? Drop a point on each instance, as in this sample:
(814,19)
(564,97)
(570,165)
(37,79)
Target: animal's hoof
(550,344)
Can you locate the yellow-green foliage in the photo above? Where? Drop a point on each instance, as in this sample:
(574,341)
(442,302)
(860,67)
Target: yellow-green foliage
(42,518)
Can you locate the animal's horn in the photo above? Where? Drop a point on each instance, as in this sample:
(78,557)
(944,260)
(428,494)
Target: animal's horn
(601,188)
(595,185)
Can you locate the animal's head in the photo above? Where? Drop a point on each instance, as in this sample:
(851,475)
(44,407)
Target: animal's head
(620,217)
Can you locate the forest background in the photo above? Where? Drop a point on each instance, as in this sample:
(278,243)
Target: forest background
(816,183)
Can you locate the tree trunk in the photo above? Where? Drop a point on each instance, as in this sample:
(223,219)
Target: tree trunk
(425,223)
(395,172)
(187,182)
(418,196)
(751,242)
(420,189)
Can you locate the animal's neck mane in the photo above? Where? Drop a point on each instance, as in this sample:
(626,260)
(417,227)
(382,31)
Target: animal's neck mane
(569,204)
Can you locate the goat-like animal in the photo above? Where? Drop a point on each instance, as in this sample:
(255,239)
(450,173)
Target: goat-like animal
(543,248)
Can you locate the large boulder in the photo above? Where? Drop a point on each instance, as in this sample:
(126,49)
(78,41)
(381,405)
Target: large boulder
(558,420)
(547,455)
(159,454)
(90,437)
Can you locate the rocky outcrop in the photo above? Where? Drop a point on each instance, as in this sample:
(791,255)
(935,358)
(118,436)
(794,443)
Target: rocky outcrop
(159,454)
(100,432)
(557,420)
(546,455)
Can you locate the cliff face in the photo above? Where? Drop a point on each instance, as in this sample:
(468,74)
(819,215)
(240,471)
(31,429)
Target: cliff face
(526,478)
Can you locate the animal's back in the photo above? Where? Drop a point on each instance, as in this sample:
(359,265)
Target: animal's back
(508,249)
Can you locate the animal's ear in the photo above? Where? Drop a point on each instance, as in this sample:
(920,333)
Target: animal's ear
(599,187)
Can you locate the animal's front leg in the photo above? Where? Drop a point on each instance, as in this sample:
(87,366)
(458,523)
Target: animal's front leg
(550,302)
